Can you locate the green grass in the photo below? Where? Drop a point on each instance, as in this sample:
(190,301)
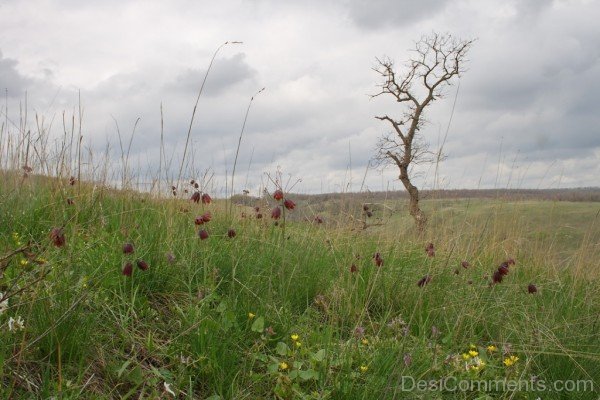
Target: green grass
(90,332)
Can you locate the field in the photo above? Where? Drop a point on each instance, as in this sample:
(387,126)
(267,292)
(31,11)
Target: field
(323,303)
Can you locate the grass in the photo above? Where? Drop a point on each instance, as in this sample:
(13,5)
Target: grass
(215,318)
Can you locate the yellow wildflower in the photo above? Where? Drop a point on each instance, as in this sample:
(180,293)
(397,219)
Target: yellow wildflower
(465,356)
(473,353)
(364,368)
(365,341)
(298,344)
(295,337)
(491,348)
(472,346)
(251,315)
(510,361)
(283,366)
(24,262)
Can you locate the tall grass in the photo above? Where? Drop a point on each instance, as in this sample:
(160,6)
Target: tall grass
(222,317)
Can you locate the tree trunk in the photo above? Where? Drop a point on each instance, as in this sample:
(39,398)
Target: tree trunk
(413,192)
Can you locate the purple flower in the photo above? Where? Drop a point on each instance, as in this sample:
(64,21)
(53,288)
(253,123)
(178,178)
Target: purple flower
(532,288)
(289,204)
(127,248)
(143,265)
(127,269)
(424,280)
(58,237)
(276,213)
(378,260)
(359,332)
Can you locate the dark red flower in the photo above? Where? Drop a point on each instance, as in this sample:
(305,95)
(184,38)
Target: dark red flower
(206,199)
(203,234)
(276,213)
(430,250)
(70,201)
(127,269)
(257,209)
(289,204)
(503,270)
(259,216)
(365,207)
(378,259)
(532,288)
(278,194)
(369,214)
(72,181)
(196,197)
(497,277)
(199,220)
(318,219)
(207,216)
(196,186)
(510,261)
(143,265)
(353,268)
(231,233)
(424,281)
(128,248)
(465,264)
(58,237)
(192,182)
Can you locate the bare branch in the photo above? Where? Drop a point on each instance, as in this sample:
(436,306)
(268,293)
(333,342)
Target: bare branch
(437,61)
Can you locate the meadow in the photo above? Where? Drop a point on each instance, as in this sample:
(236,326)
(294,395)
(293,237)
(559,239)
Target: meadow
(120,294)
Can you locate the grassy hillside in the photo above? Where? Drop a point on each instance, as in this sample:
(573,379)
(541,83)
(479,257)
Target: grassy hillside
(296,309)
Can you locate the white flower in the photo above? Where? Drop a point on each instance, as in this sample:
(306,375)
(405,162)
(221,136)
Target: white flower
(168,388)
(15,324)
(3,304)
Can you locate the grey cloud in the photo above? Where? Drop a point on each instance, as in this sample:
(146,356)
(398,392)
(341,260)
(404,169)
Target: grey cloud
(11,80)
(224,75)
(378,14)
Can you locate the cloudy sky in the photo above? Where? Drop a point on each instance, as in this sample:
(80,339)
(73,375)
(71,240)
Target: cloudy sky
(526,112)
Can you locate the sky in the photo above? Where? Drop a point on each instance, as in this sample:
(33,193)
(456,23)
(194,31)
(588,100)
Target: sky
(524,114)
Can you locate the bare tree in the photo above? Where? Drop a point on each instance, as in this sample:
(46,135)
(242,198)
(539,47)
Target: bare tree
(437,60)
